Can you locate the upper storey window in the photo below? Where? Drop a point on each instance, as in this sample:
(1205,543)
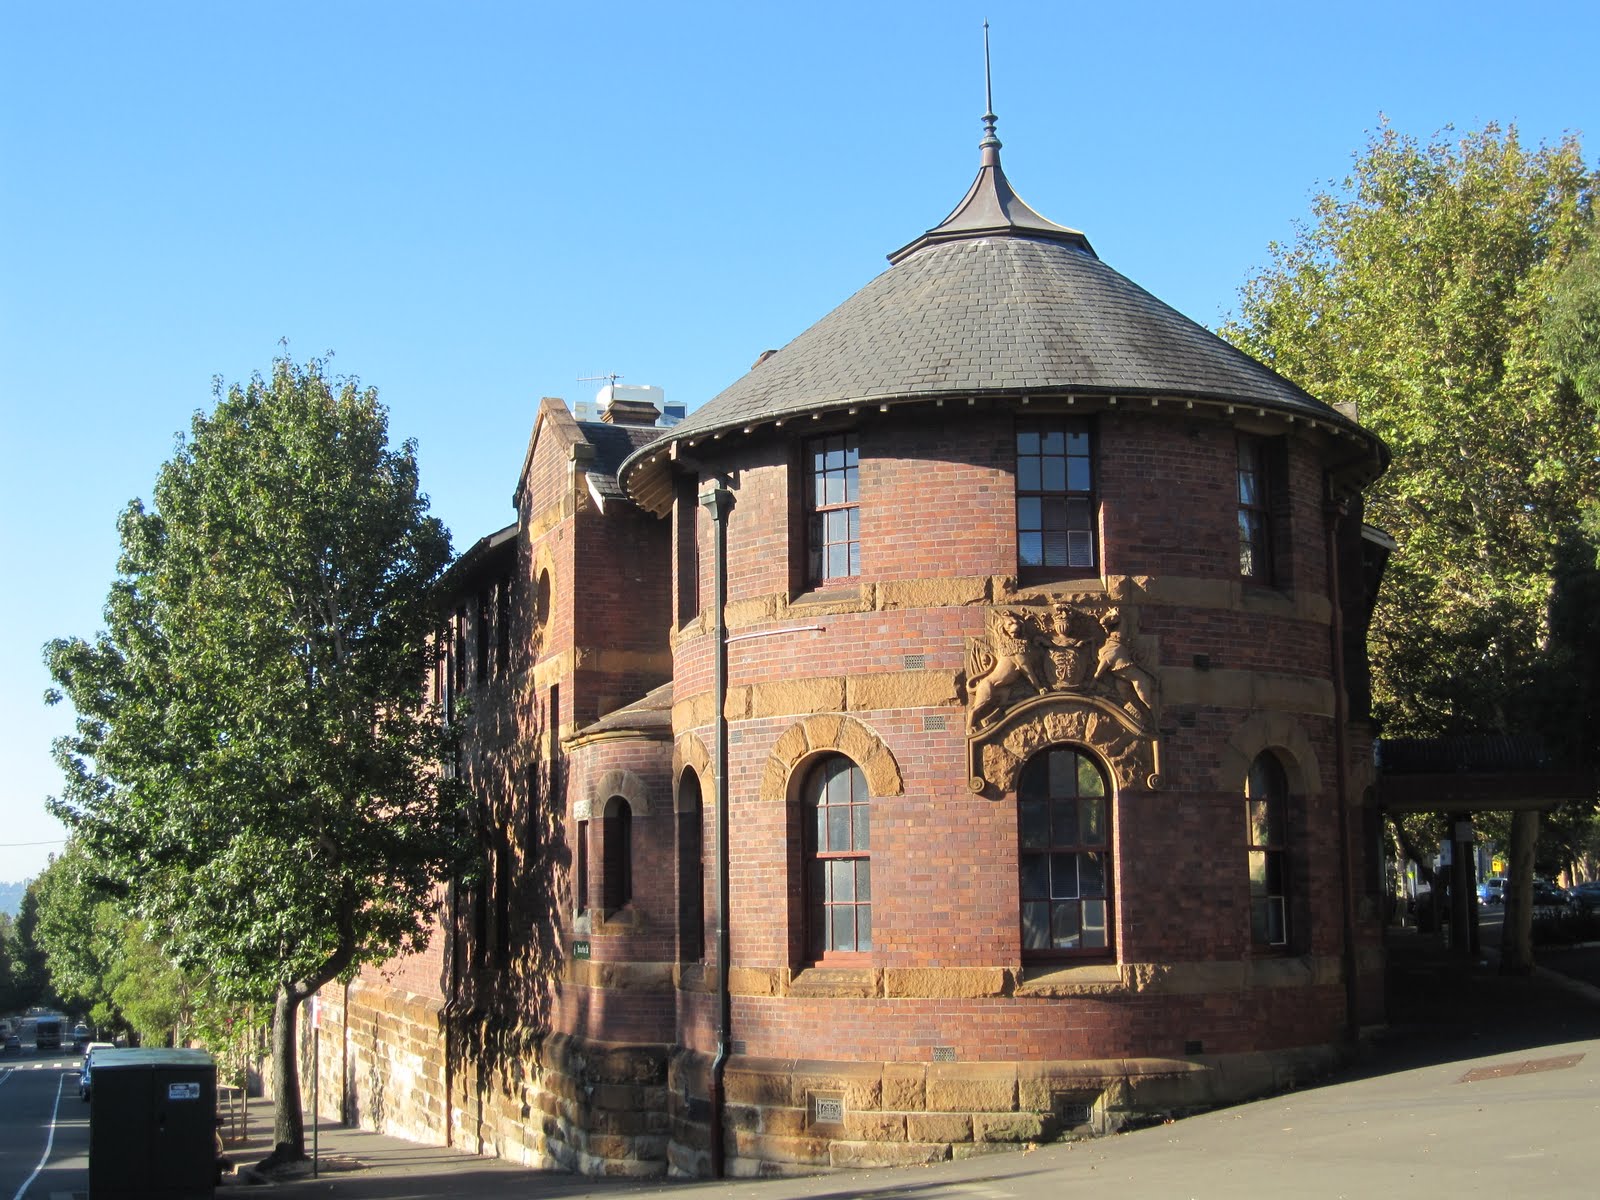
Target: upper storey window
(1255,512)
(1055,496)
(833,525)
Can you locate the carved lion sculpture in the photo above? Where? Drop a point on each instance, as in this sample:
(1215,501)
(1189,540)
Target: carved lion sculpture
(993,670)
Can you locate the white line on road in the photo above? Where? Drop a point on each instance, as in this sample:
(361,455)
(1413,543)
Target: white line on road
(49,1143)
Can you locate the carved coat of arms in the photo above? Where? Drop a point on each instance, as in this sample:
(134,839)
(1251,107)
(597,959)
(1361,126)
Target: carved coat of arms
(1063,671)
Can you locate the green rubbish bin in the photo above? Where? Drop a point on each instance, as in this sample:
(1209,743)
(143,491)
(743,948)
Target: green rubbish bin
(153,1125)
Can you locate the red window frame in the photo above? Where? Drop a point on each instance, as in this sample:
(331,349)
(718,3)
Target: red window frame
(837,816)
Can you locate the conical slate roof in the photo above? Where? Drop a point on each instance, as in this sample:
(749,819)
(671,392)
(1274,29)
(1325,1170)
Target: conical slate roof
(995,299)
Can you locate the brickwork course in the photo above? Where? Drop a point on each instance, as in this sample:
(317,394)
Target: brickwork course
(567,1012)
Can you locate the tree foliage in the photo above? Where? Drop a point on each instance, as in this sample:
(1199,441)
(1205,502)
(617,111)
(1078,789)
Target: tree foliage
(252,760)
(1419,293)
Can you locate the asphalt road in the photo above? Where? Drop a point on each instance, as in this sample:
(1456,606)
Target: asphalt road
(44,1128)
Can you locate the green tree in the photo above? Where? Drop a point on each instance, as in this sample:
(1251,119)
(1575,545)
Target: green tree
(30,967)
(1422,293)
(69,930)
(8,958)
(252,760)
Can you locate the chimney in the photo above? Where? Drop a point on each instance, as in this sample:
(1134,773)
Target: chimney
(629,404)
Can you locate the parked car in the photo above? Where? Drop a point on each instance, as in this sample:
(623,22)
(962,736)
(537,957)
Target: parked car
(1492,890)
(1586,896)
(1548,895)
(88,1066)
(80,1036)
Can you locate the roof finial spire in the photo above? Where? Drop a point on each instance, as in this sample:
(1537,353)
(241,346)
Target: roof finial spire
(990,144)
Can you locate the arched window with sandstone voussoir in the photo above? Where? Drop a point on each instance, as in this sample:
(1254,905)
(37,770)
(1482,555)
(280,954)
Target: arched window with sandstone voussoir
(836,813)
(691,870)
(1065,887)
(1266,802)
(616,871)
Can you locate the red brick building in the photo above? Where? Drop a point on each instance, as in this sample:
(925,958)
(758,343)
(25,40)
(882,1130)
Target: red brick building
(1040,733)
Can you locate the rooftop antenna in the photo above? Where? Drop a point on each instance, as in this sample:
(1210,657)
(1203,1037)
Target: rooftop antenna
(610,377)
(990,144)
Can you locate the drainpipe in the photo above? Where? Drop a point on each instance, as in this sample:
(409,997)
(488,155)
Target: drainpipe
(717,500)
(1337,513)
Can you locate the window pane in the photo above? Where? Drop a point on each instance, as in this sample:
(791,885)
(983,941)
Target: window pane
(1064,877)
(1034,878)
(1064,823)
(1055,474)
(1027,442)
(1053,441)
(1092,819)
(1063,773)
(863,927)
(1080,549)
(1078,444)
(1258,872)
(1030,550)
(1028,474)
(1028,512)
(844,928)
(838,827)
(1094,924)
(1260,822)
(1078,474)
(1064,928)
(1089,781)
(841,880)
(1036,925)
(1091,874)
(860,819)
(1035,816)
(863,879)
(838,561)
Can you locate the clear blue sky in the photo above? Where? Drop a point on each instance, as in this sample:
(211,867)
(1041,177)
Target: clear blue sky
(475,204)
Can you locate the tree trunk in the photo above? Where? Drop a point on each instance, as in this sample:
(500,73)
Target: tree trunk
(288,1123)
(1516,935)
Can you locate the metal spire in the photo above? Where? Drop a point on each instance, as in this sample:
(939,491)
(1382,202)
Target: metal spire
(990,144)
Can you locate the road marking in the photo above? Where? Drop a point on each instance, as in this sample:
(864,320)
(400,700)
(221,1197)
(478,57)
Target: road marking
(49,1143)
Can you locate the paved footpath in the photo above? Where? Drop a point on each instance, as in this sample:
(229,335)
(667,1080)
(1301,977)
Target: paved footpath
(1480,1086)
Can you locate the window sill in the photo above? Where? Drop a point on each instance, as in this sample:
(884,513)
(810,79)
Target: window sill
(1092,978)
(829,982)
(1058,579)
(835,591)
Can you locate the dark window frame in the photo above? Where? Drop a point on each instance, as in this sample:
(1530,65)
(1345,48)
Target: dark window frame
(1057,500)
(580,870)
(836,861)
(1254,491)
(831,498)
(616,848)
(691,869)
(1266,797)
(1065,856)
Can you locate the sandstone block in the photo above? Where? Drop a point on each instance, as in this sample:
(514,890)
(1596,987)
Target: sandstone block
(972,1087)
(944,983)
(810,1151)
(899,689)
(938,1127)
(874,1126)
(786,697)
(843,1155)
(932,593)
(1007,1127)
(904,1090)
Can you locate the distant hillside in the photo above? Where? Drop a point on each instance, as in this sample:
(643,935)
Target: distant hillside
(11,896)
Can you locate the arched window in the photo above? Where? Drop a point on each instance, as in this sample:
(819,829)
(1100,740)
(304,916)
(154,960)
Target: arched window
(691,871)
(838,865)
(617,882)
(1064,855)
(580,871)
(1266,795)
